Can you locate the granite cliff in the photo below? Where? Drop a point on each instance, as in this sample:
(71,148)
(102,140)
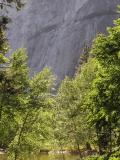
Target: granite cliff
(54,31)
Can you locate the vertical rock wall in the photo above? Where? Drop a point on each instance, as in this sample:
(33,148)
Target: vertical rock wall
(54,31)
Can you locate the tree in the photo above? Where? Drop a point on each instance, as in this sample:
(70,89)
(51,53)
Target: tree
(13,88)
(31,127)
(4,20)
(9,87)
(83,58)
(24,103)
(70,118)
(105,91)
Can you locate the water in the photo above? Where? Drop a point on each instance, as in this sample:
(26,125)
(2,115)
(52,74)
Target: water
(3,157)
(51,157)
(46,157)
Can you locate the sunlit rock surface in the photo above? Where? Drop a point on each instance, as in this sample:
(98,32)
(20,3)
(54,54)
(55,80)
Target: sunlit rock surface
(54,31)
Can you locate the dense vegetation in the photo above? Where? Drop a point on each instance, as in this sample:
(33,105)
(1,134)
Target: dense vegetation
(88,104)
(83,116)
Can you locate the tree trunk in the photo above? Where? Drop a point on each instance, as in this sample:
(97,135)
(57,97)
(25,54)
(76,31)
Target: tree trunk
(77,143)
(78,147)
(1,112)
(61,147)
(20,135)
(110,138)
(99,146)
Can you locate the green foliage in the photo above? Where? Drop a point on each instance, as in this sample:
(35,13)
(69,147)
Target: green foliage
(104,157)
(88,105)
(12,89)
(105,91)
(83,58)
(96,158)
(70,123)
(24,103)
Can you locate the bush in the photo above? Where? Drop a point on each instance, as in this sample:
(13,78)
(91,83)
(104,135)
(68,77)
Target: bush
(96,158)
(115,156)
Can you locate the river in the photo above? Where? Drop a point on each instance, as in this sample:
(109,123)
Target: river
(46,157)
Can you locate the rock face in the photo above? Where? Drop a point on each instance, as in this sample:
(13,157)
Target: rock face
(54,31)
